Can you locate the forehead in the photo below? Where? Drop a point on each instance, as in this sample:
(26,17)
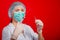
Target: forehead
(18,7)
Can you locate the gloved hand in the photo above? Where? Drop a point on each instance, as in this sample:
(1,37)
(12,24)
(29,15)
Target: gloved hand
(17,31)
(39,25)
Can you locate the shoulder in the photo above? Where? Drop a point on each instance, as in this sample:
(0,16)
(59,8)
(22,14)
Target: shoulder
(28,27)
(6,28)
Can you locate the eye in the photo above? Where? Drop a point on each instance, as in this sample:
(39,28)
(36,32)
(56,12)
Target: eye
(17,10)
(22,10)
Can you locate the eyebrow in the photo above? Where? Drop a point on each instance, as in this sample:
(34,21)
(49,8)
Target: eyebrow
(19,9)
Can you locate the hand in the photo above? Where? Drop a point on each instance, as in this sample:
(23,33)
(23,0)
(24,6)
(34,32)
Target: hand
(39,25)
(18,30)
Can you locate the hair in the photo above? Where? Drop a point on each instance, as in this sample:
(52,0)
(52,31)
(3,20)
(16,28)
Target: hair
(13,6)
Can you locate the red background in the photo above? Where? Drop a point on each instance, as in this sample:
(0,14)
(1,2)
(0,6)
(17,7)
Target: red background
(46,10)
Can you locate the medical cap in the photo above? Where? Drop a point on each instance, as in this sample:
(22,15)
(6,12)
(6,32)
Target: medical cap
(13,6)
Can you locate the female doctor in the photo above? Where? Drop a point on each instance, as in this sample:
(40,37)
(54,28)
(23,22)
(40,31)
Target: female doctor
(16,30)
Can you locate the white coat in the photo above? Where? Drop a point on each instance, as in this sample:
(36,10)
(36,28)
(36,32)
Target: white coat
(29,34)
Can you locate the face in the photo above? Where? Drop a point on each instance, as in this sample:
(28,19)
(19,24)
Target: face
(17,9)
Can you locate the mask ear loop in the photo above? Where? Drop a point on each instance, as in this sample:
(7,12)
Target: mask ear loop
(24,16)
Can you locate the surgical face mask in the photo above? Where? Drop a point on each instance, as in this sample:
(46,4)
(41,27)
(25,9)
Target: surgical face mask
(18,16)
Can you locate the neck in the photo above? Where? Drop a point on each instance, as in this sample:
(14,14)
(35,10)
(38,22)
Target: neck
(14,23)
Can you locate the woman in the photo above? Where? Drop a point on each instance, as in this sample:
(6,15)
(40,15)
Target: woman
(16,30)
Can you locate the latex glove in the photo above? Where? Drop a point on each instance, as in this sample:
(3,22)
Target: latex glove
(39,25)
(18,30)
